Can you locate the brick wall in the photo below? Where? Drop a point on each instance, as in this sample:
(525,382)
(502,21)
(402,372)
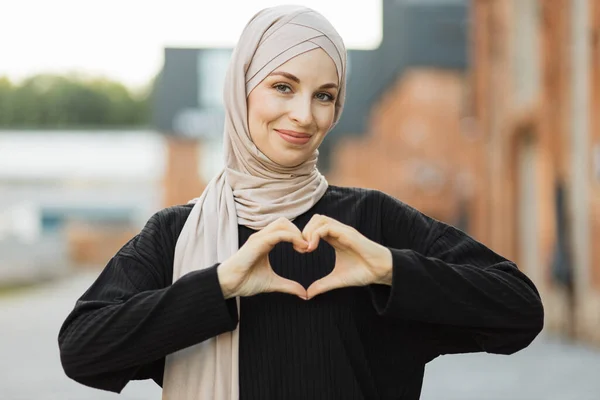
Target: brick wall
(549,119)
(595,137)
(182,181)
(415,149)
(94,246)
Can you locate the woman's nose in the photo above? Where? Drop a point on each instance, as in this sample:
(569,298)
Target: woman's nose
(301,111)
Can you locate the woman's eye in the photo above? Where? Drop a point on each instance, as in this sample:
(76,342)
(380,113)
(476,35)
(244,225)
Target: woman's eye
(324,97)
(282,88)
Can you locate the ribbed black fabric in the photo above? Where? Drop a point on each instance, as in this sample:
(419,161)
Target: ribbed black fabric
(450,294)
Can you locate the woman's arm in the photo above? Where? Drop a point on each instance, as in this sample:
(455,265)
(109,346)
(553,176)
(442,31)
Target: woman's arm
(468,297)
(132,317)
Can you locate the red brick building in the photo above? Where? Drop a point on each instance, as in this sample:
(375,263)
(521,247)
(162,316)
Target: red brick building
(415,149)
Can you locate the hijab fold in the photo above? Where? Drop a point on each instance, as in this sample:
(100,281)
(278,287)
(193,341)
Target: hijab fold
(251,190)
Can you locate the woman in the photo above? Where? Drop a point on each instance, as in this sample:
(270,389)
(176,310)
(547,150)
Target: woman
(274,284)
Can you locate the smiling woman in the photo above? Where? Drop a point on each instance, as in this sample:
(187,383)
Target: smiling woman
(274,284)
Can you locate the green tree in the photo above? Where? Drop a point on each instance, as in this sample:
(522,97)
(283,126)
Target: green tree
(6,107)
(54,101)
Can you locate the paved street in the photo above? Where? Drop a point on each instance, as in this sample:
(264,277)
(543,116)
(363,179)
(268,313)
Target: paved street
(30,367)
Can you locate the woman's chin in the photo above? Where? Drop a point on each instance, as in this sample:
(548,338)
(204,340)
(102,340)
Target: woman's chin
(290,162)
(287,156)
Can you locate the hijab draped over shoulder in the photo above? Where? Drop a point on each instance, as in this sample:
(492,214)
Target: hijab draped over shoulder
(251,190)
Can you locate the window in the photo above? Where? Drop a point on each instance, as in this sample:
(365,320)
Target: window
(212,68)
(526,43)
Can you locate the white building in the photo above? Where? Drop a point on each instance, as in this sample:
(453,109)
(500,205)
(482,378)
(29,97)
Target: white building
(51,178)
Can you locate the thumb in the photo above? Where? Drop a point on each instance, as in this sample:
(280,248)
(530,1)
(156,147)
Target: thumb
(283,285)
(323,285)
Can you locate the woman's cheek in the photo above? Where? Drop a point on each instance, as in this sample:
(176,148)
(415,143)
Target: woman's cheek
(325,118)
(274,104)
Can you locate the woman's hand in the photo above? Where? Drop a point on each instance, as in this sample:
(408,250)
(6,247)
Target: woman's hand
(358,260)
(248,271)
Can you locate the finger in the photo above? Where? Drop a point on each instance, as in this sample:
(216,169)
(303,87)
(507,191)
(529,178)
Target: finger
(279,224)
(283,224)
(326,284)
(331,233)
(283,235)
(315,222)
(315,237)
(283,285)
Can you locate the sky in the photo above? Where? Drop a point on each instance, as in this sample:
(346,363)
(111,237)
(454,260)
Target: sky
(124,39)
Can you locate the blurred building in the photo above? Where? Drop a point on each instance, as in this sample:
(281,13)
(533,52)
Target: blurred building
(535,85)
(401,128)
(73,198)
(189,111)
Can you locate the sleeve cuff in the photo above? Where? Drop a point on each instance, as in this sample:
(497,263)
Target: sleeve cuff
(390,300)
(205,283)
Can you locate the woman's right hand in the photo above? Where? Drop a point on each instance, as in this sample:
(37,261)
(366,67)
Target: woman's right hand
(248,272)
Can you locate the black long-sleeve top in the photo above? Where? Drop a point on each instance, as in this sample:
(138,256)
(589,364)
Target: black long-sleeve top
(450,294)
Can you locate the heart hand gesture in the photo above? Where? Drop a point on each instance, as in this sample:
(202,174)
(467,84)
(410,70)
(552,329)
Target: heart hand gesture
(359,261)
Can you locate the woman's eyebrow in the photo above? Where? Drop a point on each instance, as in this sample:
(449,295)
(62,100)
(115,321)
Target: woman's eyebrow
(329,86)
(286,75)
(297,80)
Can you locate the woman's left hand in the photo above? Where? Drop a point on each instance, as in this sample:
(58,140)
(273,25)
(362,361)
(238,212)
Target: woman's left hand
(358,260)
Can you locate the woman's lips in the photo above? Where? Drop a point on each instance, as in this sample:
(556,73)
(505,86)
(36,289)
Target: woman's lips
(293,137)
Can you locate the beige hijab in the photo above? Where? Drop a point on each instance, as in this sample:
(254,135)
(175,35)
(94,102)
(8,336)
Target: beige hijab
(251,190)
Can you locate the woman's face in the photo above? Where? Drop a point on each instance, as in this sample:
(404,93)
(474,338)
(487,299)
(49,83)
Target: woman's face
(292,109)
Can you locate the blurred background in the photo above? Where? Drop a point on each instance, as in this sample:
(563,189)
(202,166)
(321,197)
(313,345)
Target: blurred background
(484,114)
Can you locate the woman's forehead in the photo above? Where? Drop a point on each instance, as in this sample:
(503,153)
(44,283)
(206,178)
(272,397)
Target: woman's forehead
(314,65)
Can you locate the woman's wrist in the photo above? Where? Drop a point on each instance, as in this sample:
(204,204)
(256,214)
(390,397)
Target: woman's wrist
(385,269)
(225,281)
